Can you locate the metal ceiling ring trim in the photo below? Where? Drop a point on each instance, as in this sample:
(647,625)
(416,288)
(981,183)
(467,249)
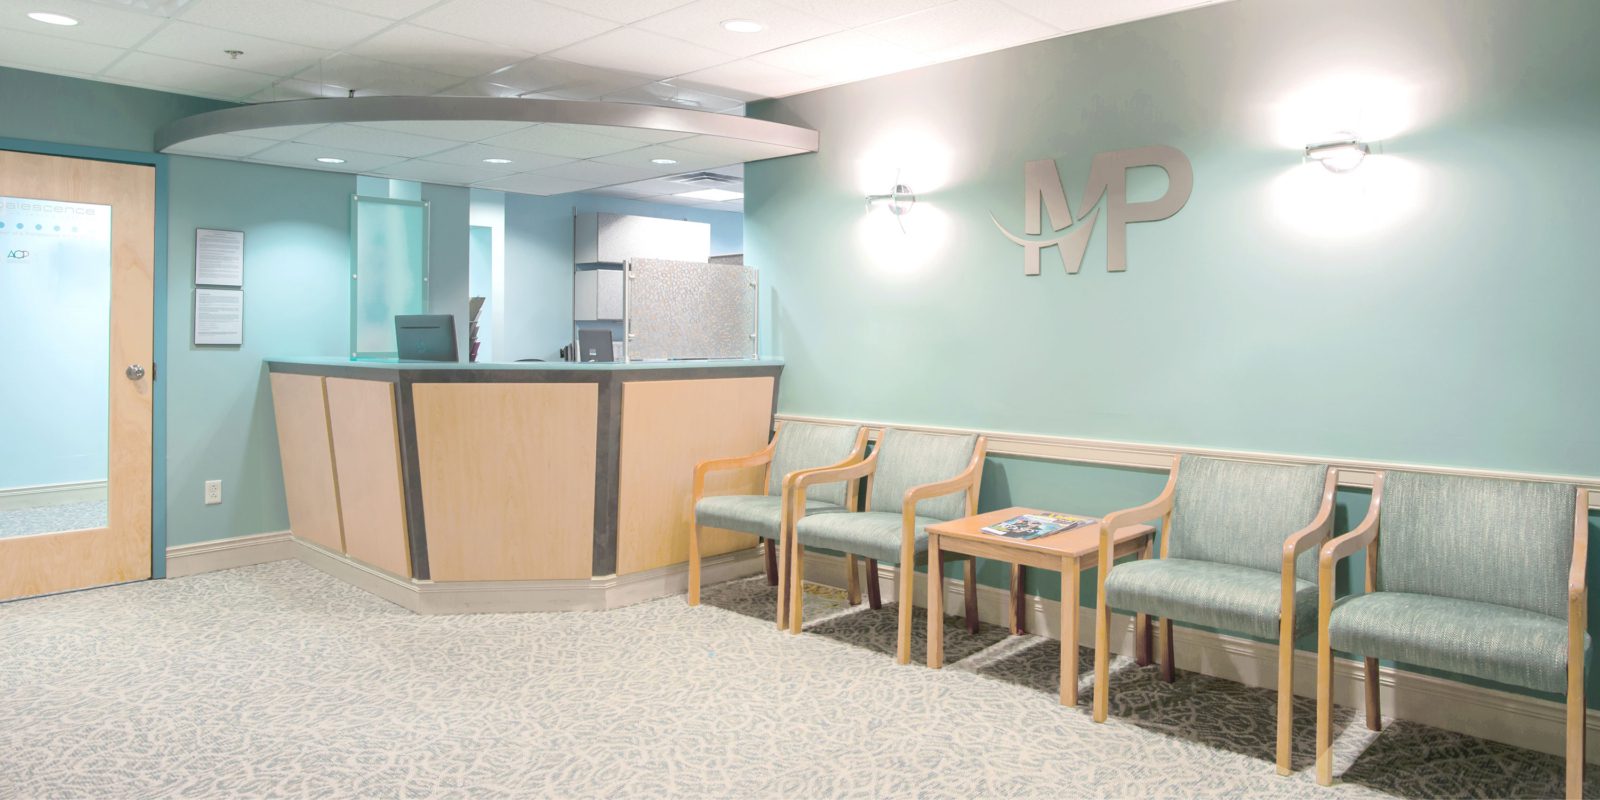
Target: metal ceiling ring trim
(483,109)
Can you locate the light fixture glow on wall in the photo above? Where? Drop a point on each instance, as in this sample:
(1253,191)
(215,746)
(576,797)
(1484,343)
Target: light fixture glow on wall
(899,202)
(742,25)
(52,19)
(330,160)
(1340,155)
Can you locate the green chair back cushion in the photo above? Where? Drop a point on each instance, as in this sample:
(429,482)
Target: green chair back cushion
(1480,539)
(807,445)
(1239,512)
(907,459)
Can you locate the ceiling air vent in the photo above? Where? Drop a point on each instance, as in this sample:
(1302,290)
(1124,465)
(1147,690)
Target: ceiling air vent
(706,179)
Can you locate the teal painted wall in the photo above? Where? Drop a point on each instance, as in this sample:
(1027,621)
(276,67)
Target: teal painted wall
(538,271)
(1431,307)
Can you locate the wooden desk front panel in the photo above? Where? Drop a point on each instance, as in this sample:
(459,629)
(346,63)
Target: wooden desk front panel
(309,486)
(366,459)
(507,473)
(668,427)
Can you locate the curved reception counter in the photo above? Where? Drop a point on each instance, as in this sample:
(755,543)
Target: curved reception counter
(452,488)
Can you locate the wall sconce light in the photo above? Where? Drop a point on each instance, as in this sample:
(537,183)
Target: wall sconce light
(899,201)
(1340,155)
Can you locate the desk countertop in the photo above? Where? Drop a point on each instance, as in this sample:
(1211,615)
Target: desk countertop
(597,366)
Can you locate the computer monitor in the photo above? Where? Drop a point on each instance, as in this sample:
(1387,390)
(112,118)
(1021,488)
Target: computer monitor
(425,337)
(594,345)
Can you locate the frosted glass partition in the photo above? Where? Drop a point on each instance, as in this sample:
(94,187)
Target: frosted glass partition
(686,309)
(389,270)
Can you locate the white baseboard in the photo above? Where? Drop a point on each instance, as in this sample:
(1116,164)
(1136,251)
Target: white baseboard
(1492,714)
(240,551)
(51,494)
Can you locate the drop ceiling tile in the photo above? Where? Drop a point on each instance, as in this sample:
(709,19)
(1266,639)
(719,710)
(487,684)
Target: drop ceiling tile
(522,24)
(188,77)
(750,80)
(701,22)
(668,95)
(388,9)
(521,160)
(568,141)
(594,172)
(854,13)
(208,45)
(733,151)
(636,135)
(621,190)
(304,156)
(97,23)
(621,10)
(962,28)
(1082,15)
(426,49)
(447,174)
(298,21)
(481,87)
(376,140)
(455,131)
(376,77)
(47,53)
(535,184)
(225,145)
(295,89)
(634,50)
(567,80)
(843,57)
(683,160)
(654,187)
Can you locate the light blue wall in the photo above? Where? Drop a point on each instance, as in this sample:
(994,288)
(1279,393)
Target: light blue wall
(538,272)
(480,281)
(1434,309)
(449,268)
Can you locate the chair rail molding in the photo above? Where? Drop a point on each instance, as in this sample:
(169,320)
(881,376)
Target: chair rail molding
(1158,457)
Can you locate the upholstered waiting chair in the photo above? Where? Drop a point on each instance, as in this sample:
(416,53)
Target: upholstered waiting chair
(1474,576)
(1230,558)
(797,446)
(913,480)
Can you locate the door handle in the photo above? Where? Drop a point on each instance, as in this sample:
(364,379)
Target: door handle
(134,372)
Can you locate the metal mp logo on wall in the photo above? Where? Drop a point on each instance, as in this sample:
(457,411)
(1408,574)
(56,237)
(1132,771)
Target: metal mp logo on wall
(1108,179)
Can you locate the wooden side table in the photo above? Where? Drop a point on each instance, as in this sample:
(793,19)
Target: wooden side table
(1069,553)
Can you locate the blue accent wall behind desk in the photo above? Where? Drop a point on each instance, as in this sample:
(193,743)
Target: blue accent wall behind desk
(1433,307)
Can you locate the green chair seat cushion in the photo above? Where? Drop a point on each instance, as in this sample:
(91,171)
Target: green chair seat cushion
(1224,596)
(760,514)
(873,534)
(1498,643)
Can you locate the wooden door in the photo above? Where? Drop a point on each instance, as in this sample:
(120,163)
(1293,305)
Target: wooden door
(77,262)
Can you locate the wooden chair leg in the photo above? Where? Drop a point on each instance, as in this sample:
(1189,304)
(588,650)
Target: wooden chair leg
(1165,628)
(1374,705)
(874,591)
(694,563)
(1576,728)
(969,590)
(1324,706)
(1102,653)
(905,577)
(1019,599)
(852,581)
(1141,639)
(1285,702)
(785,544)
(797,563)
(770,547)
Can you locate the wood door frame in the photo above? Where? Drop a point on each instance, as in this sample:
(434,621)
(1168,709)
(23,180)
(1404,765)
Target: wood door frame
(159,315)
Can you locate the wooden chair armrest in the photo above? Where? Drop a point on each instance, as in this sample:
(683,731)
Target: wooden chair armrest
(708,466)
(1577,578)
(812,477)
(1341,547)
(1117,520)
(1316,532)
(965,480)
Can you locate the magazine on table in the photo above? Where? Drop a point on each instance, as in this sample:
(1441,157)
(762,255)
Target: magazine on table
(1033,526)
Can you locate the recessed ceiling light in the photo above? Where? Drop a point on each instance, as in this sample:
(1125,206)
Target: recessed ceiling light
(51,19)
(713,195)
(497,161)
(742,25)
(330,160)
(663,161)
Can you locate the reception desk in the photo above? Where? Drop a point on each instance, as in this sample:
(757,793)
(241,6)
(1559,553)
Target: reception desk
(540,486)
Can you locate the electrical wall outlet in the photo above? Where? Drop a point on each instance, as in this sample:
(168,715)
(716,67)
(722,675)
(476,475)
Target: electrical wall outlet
(213,492)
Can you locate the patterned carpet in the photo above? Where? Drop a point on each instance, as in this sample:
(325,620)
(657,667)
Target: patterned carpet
(277,680)
(59,517)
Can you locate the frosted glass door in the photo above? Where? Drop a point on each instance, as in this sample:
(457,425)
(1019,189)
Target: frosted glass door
(389,270)
(55,330)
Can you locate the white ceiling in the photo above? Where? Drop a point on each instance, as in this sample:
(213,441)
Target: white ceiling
(663,52)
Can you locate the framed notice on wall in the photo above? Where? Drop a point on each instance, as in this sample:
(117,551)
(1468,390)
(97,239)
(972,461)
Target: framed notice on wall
(218,257)
(219,316)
